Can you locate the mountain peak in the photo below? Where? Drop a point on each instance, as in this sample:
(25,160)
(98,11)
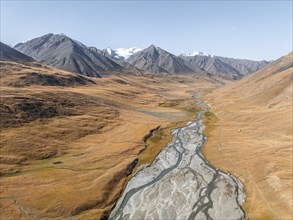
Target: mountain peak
(151,49)
(152,46)
(156,60)
(48,35)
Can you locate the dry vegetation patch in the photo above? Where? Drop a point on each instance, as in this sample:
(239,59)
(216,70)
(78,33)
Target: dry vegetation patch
(21,75)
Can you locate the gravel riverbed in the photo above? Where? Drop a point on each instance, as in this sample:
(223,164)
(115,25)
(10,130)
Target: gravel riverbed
(180,184)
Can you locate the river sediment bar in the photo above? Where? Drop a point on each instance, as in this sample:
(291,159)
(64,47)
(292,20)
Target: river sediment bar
(180,184)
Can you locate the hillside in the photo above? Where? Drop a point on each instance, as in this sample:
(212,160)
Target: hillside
(251,137)
(21,75)
(271,86)
(9,54)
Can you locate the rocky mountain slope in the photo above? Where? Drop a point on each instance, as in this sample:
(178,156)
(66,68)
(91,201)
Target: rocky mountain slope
(244,66)
(156,60)
(9,54)
(65,53)
(224,67)
(19,70)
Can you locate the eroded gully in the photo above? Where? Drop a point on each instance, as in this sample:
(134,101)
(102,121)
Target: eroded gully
(180,184)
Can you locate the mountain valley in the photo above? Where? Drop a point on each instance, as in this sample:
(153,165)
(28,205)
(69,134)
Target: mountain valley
(86,132)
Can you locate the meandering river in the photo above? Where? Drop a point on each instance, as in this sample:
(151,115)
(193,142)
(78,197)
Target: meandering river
(180,184)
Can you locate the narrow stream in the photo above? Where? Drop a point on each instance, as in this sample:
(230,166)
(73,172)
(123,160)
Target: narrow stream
(180,184)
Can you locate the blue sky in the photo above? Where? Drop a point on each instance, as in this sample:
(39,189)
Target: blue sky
(241,29)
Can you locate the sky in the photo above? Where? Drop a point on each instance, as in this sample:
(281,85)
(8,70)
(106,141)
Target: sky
(240,29)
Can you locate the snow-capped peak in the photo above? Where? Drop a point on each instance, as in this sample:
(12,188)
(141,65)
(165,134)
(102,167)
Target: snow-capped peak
(197,53)
(109,51)
(122,53)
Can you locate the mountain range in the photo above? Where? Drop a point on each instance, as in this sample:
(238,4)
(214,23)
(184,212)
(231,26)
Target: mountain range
(61,51)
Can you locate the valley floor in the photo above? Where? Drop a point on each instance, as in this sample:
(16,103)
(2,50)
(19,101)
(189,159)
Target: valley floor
(66,152)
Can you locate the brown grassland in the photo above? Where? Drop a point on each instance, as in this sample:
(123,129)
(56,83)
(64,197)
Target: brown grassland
(66,151)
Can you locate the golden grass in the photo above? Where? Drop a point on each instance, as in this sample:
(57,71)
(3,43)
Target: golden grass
(253,139)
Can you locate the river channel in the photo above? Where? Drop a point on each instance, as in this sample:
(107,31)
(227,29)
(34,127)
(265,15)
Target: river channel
(180,184)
